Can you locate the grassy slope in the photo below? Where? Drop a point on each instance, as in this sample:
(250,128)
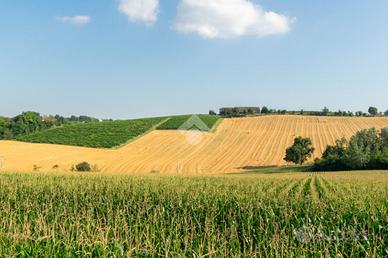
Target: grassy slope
(111,133)
(176,122)
(283,215)
(97,134)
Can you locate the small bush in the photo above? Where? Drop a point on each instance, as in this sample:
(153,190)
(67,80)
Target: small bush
(83,167)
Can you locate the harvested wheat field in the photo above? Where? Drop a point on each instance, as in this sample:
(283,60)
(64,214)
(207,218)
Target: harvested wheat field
(237,145)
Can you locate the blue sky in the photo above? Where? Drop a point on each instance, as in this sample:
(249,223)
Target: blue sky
(114,65)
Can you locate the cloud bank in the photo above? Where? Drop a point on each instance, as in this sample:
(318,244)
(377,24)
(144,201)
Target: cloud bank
(228,19)
(145,11)
(75,20)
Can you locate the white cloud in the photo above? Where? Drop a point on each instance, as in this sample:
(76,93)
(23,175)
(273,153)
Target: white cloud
(228,19)
(140,10)
(76,20)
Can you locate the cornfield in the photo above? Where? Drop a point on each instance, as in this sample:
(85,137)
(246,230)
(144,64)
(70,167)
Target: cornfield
(298,214)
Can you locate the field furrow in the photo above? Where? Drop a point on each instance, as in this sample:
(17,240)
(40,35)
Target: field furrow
(306,190)
(314,191)
(295,188)
(319,188)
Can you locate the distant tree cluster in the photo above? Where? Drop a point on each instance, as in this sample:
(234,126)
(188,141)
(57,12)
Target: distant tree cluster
(244,111)
(373,111)
(30,122)
(368,149)
(82,119)
(25,123)
(265,110)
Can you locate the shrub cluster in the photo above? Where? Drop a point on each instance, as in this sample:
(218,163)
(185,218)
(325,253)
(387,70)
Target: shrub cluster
(368,149)
(83,167)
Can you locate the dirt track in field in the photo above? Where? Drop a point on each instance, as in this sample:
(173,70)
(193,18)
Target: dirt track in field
(237,145)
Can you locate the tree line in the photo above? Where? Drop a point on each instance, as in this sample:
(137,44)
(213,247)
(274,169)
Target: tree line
(30,122)
(246,111)
(366,150)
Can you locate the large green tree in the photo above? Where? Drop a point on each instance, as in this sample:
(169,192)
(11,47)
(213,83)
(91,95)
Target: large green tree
(373,111)
(3,121)
(264,110)
(325,111)
(300,151)
(384,137)
(361,148)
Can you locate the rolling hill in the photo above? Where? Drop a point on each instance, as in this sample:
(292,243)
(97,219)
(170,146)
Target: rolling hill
(95,134)
(109,134)
(237,145)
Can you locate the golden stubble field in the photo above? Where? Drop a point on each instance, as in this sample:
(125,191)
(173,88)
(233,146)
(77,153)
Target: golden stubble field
(237,145)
